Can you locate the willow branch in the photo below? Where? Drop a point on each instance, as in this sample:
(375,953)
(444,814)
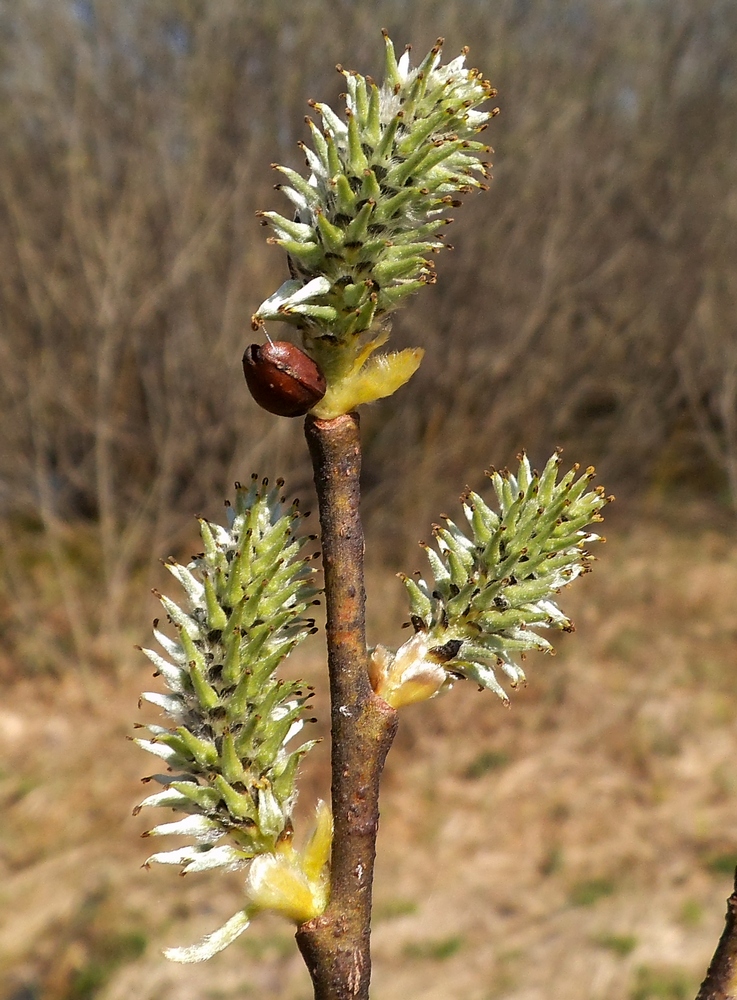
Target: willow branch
(721,979)
(336,945)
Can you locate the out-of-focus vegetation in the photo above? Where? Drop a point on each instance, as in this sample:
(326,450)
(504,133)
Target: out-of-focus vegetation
(590,302)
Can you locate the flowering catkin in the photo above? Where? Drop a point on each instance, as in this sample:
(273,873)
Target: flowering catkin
(492,592)
(367,215)
(230,771)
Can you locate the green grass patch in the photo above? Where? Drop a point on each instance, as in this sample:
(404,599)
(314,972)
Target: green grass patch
(390,909)
(437,951)
(621,944)
(691,913)
(590,891)
(663,984)
(721,864)
(108,955)
(489,760)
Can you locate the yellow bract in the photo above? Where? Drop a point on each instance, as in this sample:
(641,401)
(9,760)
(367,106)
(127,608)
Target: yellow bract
(368,380)
(293,883)
(407,676)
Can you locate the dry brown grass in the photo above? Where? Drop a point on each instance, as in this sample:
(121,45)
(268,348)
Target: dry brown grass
(578,845)
(589,302)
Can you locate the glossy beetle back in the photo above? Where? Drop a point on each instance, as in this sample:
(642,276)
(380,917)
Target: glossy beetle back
(282,378)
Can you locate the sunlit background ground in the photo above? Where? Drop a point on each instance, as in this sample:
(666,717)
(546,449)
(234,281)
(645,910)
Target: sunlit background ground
(580,844)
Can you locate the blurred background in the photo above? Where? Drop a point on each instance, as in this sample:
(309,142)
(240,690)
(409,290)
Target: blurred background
(581,845)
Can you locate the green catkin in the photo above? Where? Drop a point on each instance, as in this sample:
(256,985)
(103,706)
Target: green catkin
(491,590)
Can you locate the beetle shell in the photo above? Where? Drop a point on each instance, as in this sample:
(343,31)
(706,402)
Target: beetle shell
(282,379)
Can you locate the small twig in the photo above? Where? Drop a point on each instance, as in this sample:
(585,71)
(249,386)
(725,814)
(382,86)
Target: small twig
(336,945)
(721,979)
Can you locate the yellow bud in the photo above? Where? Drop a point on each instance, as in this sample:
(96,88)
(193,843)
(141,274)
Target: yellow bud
(408,676)
(316,855)
(295,884)
(381,375)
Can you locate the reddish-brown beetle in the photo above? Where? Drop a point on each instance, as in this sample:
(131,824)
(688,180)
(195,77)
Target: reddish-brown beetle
(282,379)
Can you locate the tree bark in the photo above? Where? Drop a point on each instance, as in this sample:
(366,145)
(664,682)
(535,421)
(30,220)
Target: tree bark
(721,979)
(336,945)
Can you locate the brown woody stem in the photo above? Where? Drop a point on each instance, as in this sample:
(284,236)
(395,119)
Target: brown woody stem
(721,979)
(336,945)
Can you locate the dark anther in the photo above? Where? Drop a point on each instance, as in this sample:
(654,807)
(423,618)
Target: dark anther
(447,651)
(418,623)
